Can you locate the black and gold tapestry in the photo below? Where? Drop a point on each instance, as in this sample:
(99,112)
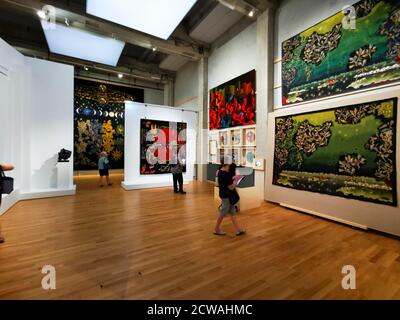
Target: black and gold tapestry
(99,122)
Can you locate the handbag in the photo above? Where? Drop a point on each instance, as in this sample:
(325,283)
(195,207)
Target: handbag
(106,165)
(233,197)
(6,183)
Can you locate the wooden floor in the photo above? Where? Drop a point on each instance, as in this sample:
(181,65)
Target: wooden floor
(152,244)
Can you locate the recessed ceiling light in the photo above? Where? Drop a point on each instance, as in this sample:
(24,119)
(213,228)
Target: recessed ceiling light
(120,75)
(41,14)
(154,48)
(156,17)
(81,44)
(251,13)
(86,68)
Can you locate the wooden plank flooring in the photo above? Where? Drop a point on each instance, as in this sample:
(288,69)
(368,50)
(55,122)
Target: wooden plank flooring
(152,244)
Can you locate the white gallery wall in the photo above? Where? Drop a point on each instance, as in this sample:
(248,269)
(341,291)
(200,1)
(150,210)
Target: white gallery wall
(153,96)
(247,51)
(12,77)
(291,19)
(36,122)
(48,122)
(134,112)
(186,89)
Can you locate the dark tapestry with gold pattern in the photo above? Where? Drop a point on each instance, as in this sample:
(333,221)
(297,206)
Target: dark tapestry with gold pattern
(99,122)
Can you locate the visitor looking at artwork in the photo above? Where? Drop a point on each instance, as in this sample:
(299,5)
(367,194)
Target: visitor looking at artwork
(104,166)
(177,176)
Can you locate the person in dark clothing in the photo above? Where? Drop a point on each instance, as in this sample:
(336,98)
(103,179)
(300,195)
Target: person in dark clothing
(226,184)
(177,176)
(5,168)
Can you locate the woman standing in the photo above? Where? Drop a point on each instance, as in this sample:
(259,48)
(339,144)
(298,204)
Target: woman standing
(5,168)
(104,166)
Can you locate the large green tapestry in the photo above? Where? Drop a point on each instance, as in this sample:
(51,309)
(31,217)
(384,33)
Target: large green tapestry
(358,48)
(347,152)
(99,122)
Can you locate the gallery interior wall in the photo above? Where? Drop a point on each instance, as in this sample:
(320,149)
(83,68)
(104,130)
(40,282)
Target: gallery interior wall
(363,214)
(359,213)
(249,50)
(154,96)
(37,121)
(187,86)
(48,125)
(12,77)
(134,112)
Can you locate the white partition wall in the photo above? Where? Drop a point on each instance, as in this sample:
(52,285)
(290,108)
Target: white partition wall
(134,112)
(354,212)
(36,114)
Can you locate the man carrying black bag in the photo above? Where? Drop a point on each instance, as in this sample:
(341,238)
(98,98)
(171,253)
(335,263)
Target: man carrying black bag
(3,168)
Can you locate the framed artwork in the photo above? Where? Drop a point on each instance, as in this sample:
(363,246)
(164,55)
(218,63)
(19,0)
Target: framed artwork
(213,147)
(249,137)
(233,103)
(236,156)
(249,154)
(162,143)
(357,48)
(236,136)
(224,138)
(347,151)
(99,111)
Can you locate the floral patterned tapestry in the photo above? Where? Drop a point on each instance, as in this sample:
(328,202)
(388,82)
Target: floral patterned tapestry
(347,152)
(99,122)
(162,143)
(233,103)
(358,48)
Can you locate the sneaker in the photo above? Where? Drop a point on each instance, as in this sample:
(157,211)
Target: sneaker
(241,232)
(219,233)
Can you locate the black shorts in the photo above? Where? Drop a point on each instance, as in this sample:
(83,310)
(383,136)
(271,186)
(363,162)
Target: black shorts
(103,172)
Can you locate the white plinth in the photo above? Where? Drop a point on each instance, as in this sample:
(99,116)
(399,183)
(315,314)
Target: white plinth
(64,176)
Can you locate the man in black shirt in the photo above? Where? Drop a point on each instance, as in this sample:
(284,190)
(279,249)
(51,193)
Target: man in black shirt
(227,185)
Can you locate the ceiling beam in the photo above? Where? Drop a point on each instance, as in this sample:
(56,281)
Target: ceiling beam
(126,71)
(190,50)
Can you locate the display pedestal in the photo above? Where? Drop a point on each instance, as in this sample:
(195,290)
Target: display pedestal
(249,198)
(64,179)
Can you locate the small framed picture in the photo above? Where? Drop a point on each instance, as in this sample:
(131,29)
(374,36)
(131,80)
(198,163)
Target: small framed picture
(249,154)
(224,138)
(250,137)
(213,147)
(236,137)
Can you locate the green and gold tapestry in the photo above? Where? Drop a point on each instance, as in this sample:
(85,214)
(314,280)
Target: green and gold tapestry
(358,48)
(348,152)
(99,122)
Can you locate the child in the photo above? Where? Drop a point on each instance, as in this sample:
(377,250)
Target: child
(104,166)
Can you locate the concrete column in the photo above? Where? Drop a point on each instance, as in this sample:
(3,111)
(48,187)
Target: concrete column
(169,93)
(202,137)
(264,88)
